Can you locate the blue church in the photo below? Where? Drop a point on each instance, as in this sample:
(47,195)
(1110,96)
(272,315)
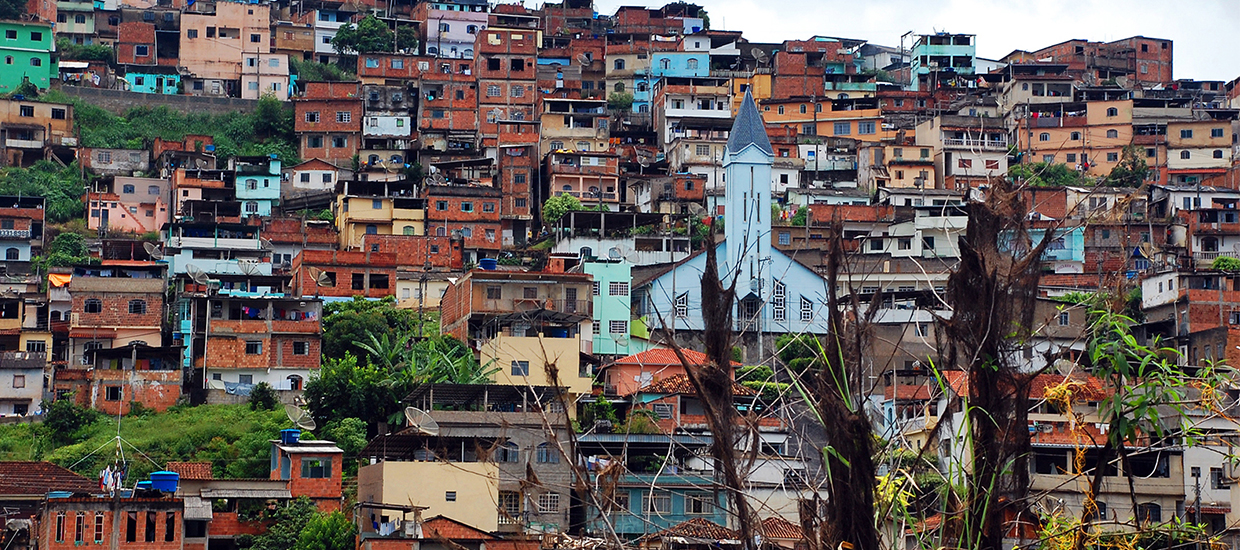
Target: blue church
(775,294)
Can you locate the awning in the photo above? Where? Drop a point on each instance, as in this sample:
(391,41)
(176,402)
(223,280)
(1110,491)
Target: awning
(246,493)
(59,279)
(197,509)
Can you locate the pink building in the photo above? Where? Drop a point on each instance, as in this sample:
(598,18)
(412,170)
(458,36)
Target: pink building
(630,374)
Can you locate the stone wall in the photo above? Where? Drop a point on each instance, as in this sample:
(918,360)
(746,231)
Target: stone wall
(118,101)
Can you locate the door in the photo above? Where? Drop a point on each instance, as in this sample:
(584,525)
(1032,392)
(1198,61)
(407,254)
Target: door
(570,300)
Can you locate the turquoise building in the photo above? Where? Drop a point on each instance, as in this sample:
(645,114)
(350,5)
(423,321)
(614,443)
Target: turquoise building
(26,52)
(614,330)
(258,184)
(152,79)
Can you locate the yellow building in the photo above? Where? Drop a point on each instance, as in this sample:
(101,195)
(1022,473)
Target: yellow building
(377,208)
(859,118)
(1087,136)
(448,481)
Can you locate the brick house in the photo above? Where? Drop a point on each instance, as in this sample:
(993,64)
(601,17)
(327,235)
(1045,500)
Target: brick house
(312,468)
(135,43)
(69,523)
(516,167)
(133,373)
(251,339)
(328,119)
(369,274)
(110,312)
(391,69)
(505,69)
(24,486)
(211,520)
(448,107)
(470,210)
(594,178)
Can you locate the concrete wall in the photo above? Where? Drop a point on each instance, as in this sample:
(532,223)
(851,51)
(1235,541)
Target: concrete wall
(117,101)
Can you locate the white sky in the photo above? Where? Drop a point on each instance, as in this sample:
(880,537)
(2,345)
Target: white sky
(1206,33)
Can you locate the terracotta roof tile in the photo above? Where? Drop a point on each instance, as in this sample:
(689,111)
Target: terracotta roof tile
(191,470)
(680,384)
(776,527)
(440,526)
(698,528)
(664,356)
(37,478)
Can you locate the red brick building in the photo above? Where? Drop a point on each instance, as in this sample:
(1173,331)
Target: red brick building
(517,170)
(135,43)
(111,312)
(391,69)
(505,68)
(448,116)
(313,469)
(247,340)
(1141,59)
(328,119)
(366,273)
(416,252)
(151,523)
(472,211)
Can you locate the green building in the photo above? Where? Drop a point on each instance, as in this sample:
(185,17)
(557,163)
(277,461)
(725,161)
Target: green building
(613,320)
(28,51)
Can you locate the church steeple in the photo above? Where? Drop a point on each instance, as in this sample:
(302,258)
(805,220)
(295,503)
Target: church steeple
(747,214)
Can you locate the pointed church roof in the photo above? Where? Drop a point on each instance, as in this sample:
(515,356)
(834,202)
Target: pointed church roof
(748,129)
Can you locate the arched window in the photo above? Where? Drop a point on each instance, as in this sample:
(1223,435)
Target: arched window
(1112,133)
(548,454)
(372,160)
(802,108)
(441,231)
(1112,111)
(842,96)
(8,60)
(251,207)
(1076,136)
(409,230)
(92,305)
(128,189)
(643,87)
(568,188)
(251,184)
(781,109)
(12,254)
(691,64)
(508,452)
(618,65)
(1185,155)
(665,63)
(643,108)
(36,62)
(397,159)
(295,382)
(152,190)
(586,252)
(431,50)
(688,185)
(137,307)
(1044,136)
(55,316)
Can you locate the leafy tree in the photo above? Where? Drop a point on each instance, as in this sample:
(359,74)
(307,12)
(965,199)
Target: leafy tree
(801,218)
(620,101)
(1226,263)
(333,531)
(273,118)
(79,52)
(64,420)
(557,206)
(1041,174)
(346,324)
(372,35)
(799,351)
(343,388)
(287,523)
(313,71)
(61,186)
(263,397)
(600,410)
(12,9)
(1131,170)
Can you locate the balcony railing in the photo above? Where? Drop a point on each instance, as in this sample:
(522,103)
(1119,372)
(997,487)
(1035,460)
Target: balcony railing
(987,144)
(583,307)
(14,233)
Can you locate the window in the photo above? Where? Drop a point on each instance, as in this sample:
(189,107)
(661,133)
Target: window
(301,348)
(682,305)
(150,527)
(843,128)
(509,507)
(340,142)
(699,504)
(618,288)
(137,307)
(520,368)
(1075,136)
(1186,134)
(1112,111)
(79,19)
(93,305)
(1216,132)
(170,527)
(493,90)
(312,116)
(964,163)
(1044,136)
(781,109)
(444,27)
(19,381)
(618,327)
(255,38)
(488,207)
(1185,155)
(785,238)
(57,114)
(26,110)
(657,503)
(112,393)
(1149,513)
(253,347)
(865,127)
(98,528)
(1112,133)
(316,467)
(547,454)
(344,116)
(548,503)
(779,301)
(807,310)
(508,452)
(1218,153)
(141,51)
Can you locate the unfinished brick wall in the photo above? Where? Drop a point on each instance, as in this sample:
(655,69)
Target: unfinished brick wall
(115,310)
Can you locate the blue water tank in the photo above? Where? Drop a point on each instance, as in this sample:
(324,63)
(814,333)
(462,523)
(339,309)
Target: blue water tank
(557,332)
(488,264)
(145,485)
(165,481)
(290,436)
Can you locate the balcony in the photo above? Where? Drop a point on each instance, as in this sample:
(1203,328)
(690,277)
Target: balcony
(984,144)
(22,360)
(14,233)
(214,243)
(23,143)
(513,305)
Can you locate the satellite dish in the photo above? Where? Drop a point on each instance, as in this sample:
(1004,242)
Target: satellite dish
(697,209)
(265,244)
(153,251)
(320,277)
(248,266)
(300,417)
(421,421)
(583,59)
(197,275)
(760,56)
(614,253)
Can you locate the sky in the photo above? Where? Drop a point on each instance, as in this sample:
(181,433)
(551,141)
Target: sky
(1206,33)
